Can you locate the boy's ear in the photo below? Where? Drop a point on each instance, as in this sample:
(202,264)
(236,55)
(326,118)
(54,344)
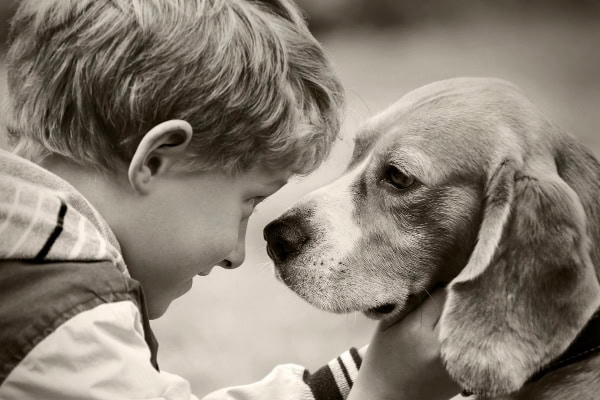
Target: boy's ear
(157,151)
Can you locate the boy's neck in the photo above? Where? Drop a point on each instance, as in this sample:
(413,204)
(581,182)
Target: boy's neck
(106,193)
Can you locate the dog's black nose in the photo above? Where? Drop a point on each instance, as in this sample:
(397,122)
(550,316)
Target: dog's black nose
(285,236)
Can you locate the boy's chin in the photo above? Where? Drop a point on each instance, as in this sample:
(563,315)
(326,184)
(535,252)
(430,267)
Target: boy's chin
(157,309)
(154,313)
(159,306)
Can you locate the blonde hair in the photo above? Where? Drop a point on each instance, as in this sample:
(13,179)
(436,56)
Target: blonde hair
(88,78)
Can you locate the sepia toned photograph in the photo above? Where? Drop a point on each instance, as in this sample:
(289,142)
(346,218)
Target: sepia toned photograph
(299,199)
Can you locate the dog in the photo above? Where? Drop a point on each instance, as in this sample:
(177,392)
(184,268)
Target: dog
(463,183)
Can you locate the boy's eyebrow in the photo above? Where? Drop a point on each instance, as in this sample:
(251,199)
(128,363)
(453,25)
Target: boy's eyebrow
(278,182)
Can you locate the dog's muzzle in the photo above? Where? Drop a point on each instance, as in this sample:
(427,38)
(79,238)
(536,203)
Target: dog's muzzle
(285,237)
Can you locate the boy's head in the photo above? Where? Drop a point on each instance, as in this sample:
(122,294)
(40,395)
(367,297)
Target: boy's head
(167,100)
(88,78)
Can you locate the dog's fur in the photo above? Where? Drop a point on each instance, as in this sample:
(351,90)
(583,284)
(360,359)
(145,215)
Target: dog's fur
(505,207)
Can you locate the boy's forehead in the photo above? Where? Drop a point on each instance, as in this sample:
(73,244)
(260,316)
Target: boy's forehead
(268,177)
(279,181)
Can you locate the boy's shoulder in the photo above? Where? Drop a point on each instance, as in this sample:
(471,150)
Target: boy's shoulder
(36,299)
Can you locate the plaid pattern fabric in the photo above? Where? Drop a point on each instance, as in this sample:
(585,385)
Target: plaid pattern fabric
(42,217)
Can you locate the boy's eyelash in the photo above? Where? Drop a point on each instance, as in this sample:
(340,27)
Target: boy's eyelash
(256,200)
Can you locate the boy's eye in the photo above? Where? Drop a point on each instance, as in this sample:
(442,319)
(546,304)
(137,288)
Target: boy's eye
(251,204)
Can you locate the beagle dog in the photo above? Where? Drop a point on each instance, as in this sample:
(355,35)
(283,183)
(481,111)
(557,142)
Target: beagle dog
(463,183)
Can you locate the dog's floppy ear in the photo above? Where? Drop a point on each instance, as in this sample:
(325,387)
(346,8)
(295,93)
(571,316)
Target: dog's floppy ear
(529,286)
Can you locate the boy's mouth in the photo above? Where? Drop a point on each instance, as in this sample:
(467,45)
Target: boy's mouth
(204,273)
(186,287)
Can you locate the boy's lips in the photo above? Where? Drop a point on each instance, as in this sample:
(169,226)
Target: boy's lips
(187,285)
(204,273)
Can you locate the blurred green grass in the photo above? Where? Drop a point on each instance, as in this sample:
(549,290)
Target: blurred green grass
(234,326)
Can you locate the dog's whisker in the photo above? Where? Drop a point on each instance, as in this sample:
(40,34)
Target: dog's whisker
(265,266)
(363,101)
(439,304)
(356,120)
(428,294)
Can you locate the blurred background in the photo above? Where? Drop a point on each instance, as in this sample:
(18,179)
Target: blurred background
(234,326)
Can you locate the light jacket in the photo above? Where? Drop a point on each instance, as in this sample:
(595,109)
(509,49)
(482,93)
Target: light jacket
(73,323)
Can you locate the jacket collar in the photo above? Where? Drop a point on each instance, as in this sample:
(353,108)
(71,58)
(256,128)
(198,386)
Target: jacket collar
(44,218)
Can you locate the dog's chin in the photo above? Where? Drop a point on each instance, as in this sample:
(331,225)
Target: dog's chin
(277,273)
(390,313)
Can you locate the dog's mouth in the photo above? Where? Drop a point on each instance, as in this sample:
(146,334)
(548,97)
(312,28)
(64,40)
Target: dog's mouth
(390,313)
(382,310)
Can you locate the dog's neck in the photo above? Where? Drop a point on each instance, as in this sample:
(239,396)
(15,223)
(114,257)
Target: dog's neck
(580,169)
(586,344)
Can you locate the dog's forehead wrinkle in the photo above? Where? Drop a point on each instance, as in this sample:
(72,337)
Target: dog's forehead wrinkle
(345,185)
(433,157)
(437,122)
(363,143)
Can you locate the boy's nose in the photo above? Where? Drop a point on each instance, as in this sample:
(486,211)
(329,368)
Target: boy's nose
(235,259)
(285,236)
(238,255)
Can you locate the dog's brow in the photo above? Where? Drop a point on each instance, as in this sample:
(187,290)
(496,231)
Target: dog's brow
(416,164)
(362,143)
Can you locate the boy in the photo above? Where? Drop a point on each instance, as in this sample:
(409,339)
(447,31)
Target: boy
(156,126)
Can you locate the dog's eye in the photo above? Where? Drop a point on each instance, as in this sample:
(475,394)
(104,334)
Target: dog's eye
(398,178)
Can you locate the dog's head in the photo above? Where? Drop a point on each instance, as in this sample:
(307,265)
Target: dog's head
(459,182)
